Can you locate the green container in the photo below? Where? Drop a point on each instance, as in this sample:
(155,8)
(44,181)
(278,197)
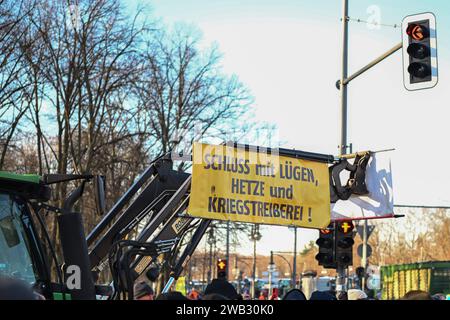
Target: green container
(397,280)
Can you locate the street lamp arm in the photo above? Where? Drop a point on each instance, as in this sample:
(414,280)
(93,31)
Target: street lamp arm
(246,263)
(282,257)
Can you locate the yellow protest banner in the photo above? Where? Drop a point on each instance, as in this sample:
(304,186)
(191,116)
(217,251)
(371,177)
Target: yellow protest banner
(235,184)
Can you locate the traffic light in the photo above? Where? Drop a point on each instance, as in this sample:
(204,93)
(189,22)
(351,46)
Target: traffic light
(325,257)
(222,269)
(420,69)
(344,243)
(360,274)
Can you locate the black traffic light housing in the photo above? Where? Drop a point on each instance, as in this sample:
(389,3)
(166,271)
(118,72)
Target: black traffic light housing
(344,243)
(419,51)
(326,244)
(222,269)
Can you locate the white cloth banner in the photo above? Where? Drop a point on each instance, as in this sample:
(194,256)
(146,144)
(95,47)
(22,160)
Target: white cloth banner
(379,203)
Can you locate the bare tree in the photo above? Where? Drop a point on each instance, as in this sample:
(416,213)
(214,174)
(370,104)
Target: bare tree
(81,91)
(13,82)
(182,86)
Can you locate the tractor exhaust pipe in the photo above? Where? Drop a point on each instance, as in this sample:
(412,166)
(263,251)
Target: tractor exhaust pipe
(77,267)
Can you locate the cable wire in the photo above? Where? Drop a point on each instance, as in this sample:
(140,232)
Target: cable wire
(358,20)
(421,207)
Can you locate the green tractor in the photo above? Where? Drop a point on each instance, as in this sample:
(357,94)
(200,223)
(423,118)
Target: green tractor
(22,253)
(157,197)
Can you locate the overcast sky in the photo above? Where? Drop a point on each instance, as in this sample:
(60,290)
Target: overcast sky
(288,54)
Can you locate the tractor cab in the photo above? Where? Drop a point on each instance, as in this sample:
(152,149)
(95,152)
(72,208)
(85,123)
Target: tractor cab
(15,254)
(21,254)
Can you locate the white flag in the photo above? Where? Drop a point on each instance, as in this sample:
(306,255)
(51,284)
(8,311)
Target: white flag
(379,203)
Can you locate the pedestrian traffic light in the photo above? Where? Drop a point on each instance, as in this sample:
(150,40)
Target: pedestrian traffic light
(344,243)
(222,269)
(420,69)
(325,257)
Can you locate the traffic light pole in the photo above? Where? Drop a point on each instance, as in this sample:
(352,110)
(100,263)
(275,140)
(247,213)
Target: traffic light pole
(255,236)
(254,270)
(340,280)
(228,249)
(342,86)
(364,254)
(294,262)
(271,267)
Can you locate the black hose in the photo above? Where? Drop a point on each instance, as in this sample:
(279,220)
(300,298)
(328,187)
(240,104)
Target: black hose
(53,253)
(117,264)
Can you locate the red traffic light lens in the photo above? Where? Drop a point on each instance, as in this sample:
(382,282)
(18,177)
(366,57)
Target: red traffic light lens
(417,32)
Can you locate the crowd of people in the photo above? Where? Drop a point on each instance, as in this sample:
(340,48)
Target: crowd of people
(218,289)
